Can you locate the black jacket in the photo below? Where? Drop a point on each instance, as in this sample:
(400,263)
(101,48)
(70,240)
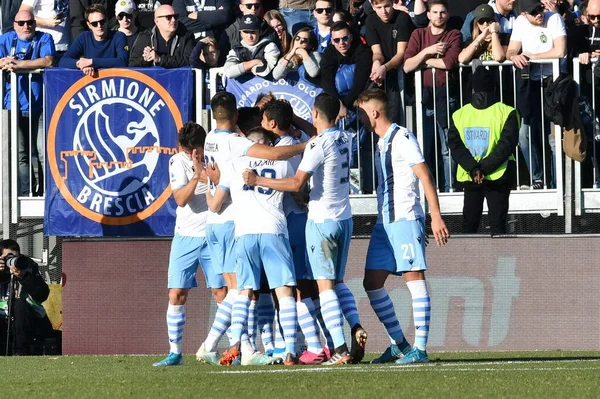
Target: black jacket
(9,9)
(32,285)
(360,55)
(500,153)
(215,15)
(181,48)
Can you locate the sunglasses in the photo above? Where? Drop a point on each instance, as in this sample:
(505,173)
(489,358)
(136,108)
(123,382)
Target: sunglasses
(537,11)
(169,17)
(327,10)
(99,23)
(250,6)
(250,32)
(593,17)
(343,39)
(29,22)
(486,21)
(302,40)
(124,15)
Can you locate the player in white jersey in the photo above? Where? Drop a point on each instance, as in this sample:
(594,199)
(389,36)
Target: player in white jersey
(261,242)
(277,118)
(221,147)
(326,162)
(189,248)
(398,240)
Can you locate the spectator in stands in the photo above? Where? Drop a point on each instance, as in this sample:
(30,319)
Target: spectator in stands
(388,32)
(168,44)
(205,18)
(30,324)
(506,15)
(205,54)
(324,15)
(486,46)
(357,15)
(145,12)
(51,17)
(78,17)
(345,67)
(483,136)
(97,48)
(253,54)
(276,21)
(536,35)
(126,14)
(22,49)
(8,10)
(231,38)
(438,47)
(590,45)
(302,57)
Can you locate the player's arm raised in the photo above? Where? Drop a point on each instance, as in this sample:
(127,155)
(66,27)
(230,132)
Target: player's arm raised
(263,151)
(293,184)
(183,195)
(438,227)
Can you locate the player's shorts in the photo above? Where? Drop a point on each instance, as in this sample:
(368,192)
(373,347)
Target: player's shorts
(269,251)
(296,223)
(221,241)
(327,246)
(186,254)
(397,247)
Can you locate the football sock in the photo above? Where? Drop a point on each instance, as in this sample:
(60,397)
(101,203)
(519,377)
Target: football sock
(289,322)
(321,323)
(384,309)
(175,324)
(421,311)
(266,314)
(279,342)
(239,318)
(222,321)
(332,315)
(252,323)
(308,325)
(347,303)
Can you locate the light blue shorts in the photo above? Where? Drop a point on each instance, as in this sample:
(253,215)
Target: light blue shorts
(296,223)
(327,245)
(221,241)
(397,247)
(269,251)
(186,254)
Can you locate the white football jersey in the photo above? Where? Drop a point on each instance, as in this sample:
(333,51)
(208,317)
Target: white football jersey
(223,146)
(289,204)
(191,218)
(258,210)
(398,194)
(327,159)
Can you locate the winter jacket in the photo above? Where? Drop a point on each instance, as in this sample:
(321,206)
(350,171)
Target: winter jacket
(180,50)
(264,50)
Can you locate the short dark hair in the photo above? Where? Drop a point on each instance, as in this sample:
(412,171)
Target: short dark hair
(261,134)
(223,106)
(281,112)
(248,118)
(327,1)
(432,3)
(328,106)
(340,25)
(9,244)
(95,8)
(376,95)
(192,135)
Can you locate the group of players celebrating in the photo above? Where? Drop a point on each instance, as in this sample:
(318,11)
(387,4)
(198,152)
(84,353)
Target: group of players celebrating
(242,217)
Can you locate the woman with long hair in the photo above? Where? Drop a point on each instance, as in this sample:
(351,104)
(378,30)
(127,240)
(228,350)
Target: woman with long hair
(486,44)
(276,21)
(301,54)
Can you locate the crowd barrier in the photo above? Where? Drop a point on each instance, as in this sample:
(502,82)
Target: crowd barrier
(558,200)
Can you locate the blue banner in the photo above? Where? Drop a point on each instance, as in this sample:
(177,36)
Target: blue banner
(109,141)
(299,92)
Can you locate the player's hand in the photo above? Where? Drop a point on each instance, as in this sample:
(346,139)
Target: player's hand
(440,231)
(198,166)
(250,178)
(213,172)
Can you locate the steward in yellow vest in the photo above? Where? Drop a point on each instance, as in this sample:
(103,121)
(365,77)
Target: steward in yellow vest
(482,138)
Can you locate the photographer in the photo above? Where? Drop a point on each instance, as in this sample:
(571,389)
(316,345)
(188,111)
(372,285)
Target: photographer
(29,320)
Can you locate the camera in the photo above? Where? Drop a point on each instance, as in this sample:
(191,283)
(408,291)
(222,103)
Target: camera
(19,262)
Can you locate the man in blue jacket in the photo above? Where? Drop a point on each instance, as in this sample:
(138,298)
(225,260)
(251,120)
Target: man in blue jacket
(97,48)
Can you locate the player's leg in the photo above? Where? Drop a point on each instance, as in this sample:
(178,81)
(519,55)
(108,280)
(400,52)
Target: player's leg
(266,315)
(380,264)
(183,264)
(413,252)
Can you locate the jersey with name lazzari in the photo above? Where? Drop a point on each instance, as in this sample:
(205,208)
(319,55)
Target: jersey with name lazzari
(221,147)
(191,218)
(259,210)
(398,194)
(327,159)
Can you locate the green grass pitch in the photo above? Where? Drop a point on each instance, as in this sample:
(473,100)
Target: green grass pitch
(448,375)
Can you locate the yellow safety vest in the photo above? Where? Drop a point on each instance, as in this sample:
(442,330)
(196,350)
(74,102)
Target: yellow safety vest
(480,131)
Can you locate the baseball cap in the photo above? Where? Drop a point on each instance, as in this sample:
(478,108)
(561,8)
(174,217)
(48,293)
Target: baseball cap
(250,22)
(483,11)
(125,6)
(529,5)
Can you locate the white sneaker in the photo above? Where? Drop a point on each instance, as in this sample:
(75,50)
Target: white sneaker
(207,357)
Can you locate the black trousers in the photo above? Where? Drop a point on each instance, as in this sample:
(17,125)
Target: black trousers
(27,326)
